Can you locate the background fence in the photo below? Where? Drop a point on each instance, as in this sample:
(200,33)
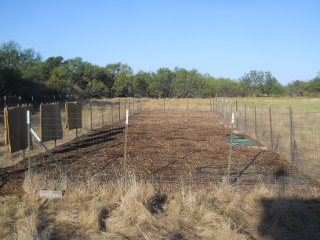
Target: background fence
(291,132)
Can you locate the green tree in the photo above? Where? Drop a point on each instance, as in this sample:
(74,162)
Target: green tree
(224,87)
(11,55)
(19,68)
(260,83)
(253,83)
(188,83)
(60,77)
(48,66)
(161,83)
(141,83)
(296,88)
(70,74)
(10,79)
(271,85)
(123,84)
(313,86)
(96,88)
(31,65)
(112,71)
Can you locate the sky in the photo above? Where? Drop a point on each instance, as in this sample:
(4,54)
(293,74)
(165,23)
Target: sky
(224,38)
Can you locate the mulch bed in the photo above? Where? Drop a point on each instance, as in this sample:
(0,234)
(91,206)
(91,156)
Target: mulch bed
(162,146)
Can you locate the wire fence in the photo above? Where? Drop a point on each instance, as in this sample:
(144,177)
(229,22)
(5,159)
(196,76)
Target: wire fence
(293,133)
(94,115)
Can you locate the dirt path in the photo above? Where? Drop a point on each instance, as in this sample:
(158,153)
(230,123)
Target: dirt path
(163,146)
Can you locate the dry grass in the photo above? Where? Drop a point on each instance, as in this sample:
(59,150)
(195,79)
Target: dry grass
(182,104)
(141,210)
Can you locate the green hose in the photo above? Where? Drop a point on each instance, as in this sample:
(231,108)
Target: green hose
(237,141)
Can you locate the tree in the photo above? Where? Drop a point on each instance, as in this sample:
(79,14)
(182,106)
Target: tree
(123,84)
(141,83)
(224,87)
(48,66)
(313,86)
(70,74)
(161,83)
(18,68)
(96,88)
(112,71)
(296,88)
(31,65)
(10,55)
(247,84)
(271,85)
(10,79)
(60,77)
(187,83)
(260,83)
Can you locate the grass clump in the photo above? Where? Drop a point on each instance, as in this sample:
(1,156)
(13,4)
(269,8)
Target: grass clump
(135,209)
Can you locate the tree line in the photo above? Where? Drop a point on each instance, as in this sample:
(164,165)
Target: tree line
(24,73)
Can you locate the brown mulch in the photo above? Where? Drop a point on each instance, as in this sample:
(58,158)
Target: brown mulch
(162,146)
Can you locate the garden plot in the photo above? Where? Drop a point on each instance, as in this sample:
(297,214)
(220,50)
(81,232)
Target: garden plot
(163,146)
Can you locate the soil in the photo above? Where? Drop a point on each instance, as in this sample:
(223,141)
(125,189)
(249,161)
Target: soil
(162,146)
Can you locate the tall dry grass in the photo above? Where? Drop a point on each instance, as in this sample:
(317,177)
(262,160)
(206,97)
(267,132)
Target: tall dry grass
(134,209)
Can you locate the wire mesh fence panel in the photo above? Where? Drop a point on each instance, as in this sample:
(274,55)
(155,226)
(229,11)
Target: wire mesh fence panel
(94,114)
(292,133)
(305,142)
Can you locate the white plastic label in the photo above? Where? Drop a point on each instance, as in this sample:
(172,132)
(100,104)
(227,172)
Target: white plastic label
(232,120)
(127,117)
(28,117)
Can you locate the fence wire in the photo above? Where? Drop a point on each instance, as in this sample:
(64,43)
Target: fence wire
(94,115)
(292,133)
